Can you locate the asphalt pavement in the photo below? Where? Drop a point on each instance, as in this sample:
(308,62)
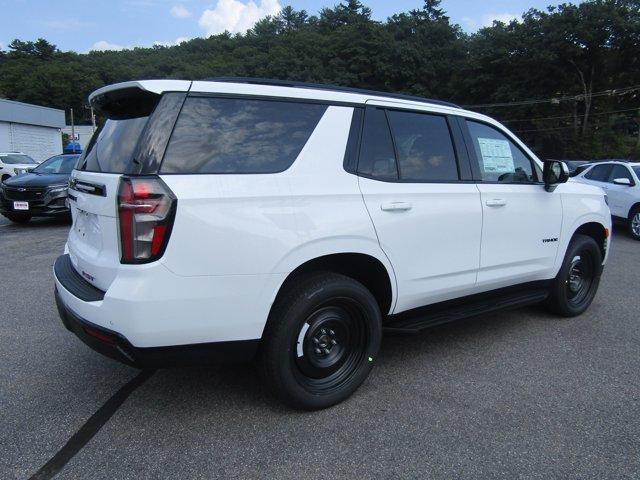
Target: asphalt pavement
(517,394)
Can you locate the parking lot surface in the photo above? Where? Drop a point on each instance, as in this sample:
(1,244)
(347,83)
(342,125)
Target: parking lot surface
(518,394)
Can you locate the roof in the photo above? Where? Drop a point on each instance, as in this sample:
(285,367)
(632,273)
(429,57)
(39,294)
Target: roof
(275,88)
(18,112)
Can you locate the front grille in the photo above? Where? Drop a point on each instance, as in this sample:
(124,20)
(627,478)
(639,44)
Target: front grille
(29,194)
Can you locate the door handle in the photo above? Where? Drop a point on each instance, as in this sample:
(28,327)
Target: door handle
(496,202)
(396,206)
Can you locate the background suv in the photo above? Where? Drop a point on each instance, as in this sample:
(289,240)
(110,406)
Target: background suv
(40,193)
(620,181)
(14,163)
(219,220)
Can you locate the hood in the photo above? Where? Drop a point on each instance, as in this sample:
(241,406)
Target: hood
(35,180)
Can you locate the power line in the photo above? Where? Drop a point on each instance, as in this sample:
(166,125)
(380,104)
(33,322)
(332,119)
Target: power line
(543,129)
(610,92)
(611,112)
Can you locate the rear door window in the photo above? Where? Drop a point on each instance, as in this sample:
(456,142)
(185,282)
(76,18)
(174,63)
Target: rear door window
(228,135)
(377,156)
(424,147)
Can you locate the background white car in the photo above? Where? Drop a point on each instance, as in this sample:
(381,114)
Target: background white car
(621,182)
(15,163)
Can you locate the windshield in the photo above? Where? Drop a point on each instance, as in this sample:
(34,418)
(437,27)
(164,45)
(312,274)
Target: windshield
(111,147)
(57,164)
(637,171)
(17,159)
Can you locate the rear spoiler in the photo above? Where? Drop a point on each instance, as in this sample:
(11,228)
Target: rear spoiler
(133,99)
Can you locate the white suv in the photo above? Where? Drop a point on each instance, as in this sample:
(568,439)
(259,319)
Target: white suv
(15,163)
(219,220)
(621,182)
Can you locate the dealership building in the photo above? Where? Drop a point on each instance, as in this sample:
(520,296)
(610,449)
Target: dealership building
(30,129)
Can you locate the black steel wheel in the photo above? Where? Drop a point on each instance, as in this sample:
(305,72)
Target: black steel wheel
(320,341)
(577,282)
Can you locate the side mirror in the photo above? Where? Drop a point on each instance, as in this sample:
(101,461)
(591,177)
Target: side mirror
(622,181)
(554,173)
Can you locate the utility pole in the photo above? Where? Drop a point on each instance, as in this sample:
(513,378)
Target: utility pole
(93,116)
(73,133)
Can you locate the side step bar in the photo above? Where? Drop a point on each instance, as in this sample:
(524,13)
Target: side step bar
(421,319)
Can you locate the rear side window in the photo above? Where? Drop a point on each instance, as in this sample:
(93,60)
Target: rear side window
(226,135)
(599,173)
(424,147)
(112,145)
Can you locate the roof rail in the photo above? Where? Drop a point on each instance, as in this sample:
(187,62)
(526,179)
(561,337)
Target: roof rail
(322,86)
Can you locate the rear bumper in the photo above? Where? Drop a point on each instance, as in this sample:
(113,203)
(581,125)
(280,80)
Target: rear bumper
(72,288)
(115,346)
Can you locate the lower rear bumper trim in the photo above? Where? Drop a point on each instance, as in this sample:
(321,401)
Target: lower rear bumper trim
(117,347)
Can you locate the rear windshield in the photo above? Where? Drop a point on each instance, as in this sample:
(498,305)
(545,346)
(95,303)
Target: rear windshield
(226,135)
(17,159)
(111,147)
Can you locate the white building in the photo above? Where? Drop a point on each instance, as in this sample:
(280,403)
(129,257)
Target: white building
(30,129)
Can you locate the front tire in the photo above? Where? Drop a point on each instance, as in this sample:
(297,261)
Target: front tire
(577,282)
(634,224)
(320,341)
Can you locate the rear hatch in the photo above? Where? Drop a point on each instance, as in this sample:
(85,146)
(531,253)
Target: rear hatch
(129,143)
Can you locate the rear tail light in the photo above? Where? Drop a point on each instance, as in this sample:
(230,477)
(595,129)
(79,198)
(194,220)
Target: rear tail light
(146,209)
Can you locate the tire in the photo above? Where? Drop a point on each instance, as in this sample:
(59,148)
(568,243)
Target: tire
(634,223)
(18,218)
(577,282)
(4,177)
(320,341)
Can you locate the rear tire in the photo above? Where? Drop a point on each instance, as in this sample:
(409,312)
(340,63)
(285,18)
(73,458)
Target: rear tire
(577,282)
(320,341)
(18,218)
(633,224)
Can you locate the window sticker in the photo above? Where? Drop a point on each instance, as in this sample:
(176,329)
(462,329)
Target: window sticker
(496,155)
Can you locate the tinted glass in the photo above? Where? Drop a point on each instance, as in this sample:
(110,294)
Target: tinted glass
(16,159)
(620,171)
(424,146)
(111,147)
(57,164)
(500,160)
(637,170)
(377,157)
(223,135)
(599,173)
(579,170)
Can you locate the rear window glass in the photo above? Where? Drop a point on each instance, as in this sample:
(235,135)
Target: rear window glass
(111,147)
(424,146)
(225,135)
(377,157)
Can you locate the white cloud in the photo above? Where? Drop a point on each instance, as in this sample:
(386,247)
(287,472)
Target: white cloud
(180,11)
(487,20)
(103,46)
(177,41)
(235,16)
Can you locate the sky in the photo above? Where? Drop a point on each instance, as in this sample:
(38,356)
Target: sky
(83,25)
